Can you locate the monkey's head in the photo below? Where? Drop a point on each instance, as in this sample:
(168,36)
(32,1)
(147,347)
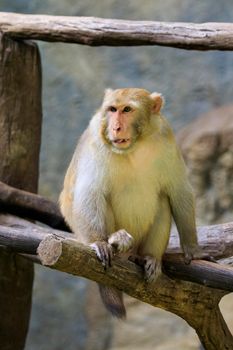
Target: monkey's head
(126,116)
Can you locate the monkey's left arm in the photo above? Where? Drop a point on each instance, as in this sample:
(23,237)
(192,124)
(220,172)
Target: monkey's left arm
(183,211)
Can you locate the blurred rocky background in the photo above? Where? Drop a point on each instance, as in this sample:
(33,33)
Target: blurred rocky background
(198,89)
(207,146)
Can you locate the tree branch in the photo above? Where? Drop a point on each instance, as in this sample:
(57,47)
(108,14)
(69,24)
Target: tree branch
(38,208)
(25,237)
(196,303)
(112,32)
(30,205)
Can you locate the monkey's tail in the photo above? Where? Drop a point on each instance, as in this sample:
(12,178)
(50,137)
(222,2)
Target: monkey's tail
(113,301)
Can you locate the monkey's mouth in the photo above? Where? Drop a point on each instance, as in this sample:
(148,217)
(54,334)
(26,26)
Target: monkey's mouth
(121,142)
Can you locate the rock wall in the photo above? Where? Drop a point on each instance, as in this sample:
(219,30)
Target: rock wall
(207,147)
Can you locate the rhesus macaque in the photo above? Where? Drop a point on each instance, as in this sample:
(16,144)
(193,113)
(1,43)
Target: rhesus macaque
(126,180)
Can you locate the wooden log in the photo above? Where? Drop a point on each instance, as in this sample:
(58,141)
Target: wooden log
(41,209)
(20,129)
(22,236)
(32,206)
(197,304)
(26,237)
(94,31)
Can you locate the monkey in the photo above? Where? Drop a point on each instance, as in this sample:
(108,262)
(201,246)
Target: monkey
(125,183)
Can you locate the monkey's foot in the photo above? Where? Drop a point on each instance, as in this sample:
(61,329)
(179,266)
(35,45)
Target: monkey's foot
(152,269)
(196,254)
(121,241)
(104,253)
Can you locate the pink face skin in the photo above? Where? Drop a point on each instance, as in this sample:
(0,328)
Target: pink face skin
(120,120)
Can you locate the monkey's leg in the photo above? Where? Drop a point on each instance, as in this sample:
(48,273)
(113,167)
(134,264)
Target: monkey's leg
(121,241)
(101,246)
(155,244)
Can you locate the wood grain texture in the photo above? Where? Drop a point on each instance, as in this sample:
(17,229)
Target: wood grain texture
(20,129)
(196,301)
(25,237)
(30,205)
(94,31)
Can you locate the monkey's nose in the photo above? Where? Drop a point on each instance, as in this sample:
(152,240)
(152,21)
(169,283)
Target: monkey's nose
(117,128)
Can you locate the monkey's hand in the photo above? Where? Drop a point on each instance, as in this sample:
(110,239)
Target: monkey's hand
(195,253)
(104,252)
(121,241)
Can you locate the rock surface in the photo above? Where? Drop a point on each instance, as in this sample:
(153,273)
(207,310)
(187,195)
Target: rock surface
(207,147)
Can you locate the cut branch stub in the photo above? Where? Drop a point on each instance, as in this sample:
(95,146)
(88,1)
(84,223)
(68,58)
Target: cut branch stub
(50,250)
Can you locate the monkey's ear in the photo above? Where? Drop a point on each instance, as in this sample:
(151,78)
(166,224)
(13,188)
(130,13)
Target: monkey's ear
(108,92)
(158,102)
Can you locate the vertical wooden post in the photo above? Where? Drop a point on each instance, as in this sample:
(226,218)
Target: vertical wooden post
(20,133)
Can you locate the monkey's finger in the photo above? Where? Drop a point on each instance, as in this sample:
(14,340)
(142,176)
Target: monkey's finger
(96,249)
(107,255)
(150,269)
(102,252)
(110,255)
(104,256)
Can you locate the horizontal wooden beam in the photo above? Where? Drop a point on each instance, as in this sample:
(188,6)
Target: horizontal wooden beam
(24,237)
(94,31)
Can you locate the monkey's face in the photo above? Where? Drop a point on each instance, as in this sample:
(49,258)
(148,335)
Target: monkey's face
(126,116)
(121,129)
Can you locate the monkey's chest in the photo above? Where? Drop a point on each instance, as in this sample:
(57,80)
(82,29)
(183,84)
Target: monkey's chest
(134,204)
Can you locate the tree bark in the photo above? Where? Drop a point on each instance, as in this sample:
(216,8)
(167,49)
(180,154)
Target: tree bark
(196,304)
(24,237)
(32,206)
(20,130)
(111,32)
(213,332)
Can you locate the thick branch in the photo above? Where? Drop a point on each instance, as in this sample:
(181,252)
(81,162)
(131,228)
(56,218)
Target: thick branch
(35,207)
(99,31)
(32,206)
(197,304)
(25,238)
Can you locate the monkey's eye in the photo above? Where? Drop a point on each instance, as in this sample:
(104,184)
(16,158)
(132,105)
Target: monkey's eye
(112,109)
(127,109)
